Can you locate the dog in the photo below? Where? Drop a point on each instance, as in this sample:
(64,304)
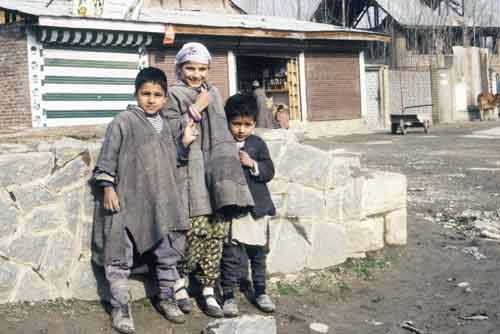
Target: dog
(487,101)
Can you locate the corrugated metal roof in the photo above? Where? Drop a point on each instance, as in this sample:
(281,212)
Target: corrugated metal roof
(113,9)
(479,13)
(116,9)
(413,13)
(482,13)
(236,21)
(298,9)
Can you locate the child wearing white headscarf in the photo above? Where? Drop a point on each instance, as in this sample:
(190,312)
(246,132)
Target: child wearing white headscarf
(212,185)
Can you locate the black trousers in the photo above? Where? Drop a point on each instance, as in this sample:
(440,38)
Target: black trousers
(234,265)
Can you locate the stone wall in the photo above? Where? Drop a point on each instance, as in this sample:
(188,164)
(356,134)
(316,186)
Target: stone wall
(14,91)
(329,209)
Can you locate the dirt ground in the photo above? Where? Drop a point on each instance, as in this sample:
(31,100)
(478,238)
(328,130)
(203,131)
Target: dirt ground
(424,282)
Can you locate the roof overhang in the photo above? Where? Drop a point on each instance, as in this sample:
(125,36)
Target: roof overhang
(183,29)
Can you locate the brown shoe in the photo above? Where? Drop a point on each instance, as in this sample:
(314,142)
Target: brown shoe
(168,307)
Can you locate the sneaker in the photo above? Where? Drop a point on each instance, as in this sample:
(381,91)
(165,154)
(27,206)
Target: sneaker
(230,308)
(122,319)
(265,304)
(168,307)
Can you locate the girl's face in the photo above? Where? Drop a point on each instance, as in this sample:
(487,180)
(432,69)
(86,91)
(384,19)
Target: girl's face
(194,74)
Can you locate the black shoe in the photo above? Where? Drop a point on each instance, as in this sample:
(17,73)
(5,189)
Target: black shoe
(184,303)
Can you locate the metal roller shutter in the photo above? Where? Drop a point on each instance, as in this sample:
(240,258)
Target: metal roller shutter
(333,86)
(86,85)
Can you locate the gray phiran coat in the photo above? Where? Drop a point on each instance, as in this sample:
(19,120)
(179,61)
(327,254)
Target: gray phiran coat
(142,164)
(214,180)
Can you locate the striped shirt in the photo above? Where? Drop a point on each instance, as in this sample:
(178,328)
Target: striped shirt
(156,121)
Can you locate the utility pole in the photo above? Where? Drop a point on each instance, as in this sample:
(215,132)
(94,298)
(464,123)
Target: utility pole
(343,13)
(298,9)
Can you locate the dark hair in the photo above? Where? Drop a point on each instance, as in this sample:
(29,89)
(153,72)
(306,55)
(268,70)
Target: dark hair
(151,74)
(243,105)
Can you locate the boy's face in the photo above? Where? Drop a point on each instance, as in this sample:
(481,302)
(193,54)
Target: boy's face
(241,127)
(194,74)
(151,97)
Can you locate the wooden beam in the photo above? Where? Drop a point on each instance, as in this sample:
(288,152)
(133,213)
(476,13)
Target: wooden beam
(264,33)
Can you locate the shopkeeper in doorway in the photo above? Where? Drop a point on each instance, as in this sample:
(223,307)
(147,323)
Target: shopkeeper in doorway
(264,116)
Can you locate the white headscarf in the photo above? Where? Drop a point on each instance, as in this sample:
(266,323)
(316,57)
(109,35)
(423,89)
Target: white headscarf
(193,51)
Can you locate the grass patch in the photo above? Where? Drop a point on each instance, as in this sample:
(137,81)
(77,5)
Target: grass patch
(344,286)
(287,289)
(365,268)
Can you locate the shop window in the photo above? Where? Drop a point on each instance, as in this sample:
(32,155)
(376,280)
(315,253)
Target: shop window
(278,77)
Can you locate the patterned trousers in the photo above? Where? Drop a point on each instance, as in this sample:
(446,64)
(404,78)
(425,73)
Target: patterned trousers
(204,248)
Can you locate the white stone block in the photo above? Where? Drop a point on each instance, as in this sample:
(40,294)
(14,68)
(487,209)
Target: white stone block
(66,149)
(304,202)
(292,247)
(94,151)
(246,324)
(9,274)
(352,191)
(334,199)
(278,186)
(277,135)
(31,195)
(328,245)
(33,288)
(8,216)
(364,236)
(396,227)
(306,165)
(57,264)
(85,284)
(72,208)
(74,172)
(25,167)
(28,249)
(275,225)
(342,168)
(45,218)
(383,192)
(275,149)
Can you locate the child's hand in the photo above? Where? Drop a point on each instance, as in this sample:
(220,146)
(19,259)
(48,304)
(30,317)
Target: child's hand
(190,132)
(246,160)
(111,201)
(203,99)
